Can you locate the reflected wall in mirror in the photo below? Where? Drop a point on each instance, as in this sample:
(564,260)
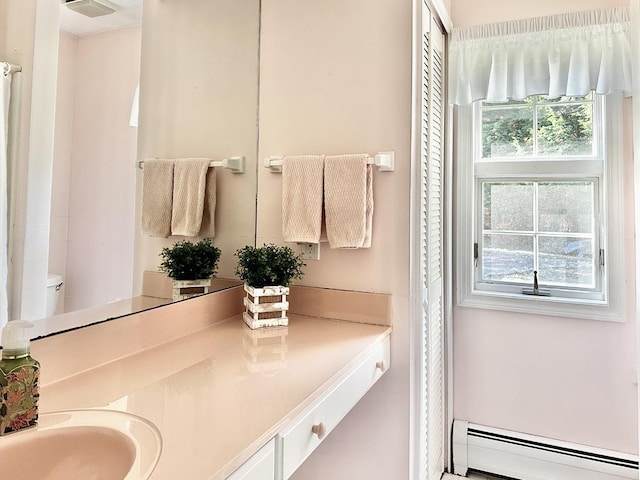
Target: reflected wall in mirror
(197,65)
(93,181)
(199,98)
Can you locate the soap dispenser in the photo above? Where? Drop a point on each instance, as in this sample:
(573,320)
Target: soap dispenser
(19,380)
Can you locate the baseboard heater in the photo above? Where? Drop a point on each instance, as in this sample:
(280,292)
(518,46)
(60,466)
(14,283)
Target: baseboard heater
(528,457)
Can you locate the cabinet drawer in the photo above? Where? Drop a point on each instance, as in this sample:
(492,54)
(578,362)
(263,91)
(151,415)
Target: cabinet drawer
(307,431)
(261,466)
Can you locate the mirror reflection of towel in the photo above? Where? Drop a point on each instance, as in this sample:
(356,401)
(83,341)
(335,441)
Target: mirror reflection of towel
(157,197)
(348,192)
(189,186)
(208,227)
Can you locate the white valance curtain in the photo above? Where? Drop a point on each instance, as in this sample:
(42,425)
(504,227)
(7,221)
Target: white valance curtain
(567,54)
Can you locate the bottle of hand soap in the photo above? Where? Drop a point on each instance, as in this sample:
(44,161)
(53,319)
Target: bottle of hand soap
(19,379)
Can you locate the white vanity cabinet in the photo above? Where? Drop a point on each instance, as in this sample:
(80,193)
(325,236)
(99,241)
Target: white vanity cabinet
(282,456)
(261,466)
(303,435)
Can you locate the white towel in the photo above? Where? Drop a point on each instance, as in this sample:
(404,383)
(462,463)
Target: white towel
(348,192)
(302,198)
(189,185)
(157,197)
(208,226)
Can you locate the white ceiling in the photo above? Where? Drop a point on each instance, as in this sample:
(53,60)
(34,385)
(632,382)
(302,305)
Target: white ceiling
(128,13)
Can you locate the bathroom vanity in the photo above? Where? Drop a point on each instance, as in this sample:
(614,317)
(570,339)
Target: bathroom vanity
(230,402)
(298,438)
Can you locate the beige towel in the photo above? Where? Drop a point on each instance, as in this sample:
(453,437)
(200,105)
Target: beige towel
(157,197)
(189,185)
(368,230)
(302,198)
(208,226)
(348,191)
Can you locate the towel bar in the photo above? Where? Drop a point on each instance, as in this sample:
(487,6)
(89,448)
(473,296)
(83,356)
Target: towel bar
(235,164)
(385,161)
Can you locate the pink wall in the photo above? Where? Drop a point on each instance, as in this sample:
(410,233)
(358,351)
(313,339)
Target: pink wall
(562,378)
(335,77)
(97,168)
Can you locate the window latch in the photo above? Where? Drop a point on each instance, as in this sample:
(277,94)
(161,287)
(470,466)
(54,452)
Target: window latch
(536,290)
(475,255)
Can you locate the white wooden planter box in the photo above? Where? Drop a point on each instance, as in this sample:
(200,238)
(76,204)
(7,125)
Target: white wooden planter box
(266,307)
(183,289)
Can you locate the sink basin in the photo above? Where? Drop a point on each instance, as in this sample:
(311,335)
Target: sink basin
(82,444)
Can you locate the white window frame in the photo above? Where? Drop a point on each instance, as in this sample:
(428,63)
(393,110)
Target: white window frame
(612,240)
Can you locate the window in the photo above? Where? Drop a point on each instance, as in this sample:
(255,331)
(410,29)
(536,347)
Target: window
(536,185)
(542,228)
(539,128)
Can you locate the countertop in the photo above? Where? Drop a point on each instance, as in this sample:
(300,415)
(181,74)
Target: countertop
(218,394)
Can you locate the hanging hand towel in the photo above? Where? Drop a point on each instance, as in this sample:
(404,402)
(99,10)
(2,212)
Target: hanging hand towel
(368,228)
(208,227)
(302,198)
(157,197)
(348,192)
(189,184)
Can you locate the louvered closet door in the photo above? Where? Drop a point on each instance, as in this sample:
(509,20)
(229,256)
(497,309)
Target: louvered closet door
(431,256)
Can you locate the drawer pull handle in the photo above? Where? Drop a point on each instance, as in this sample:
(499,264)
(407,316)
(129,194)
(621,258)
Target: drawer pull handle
(381,365)
(320,430)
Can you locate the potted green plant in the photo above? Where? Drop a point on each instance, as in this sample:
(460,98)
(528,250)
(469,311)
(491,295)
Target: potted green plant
(267,272)
(190,266)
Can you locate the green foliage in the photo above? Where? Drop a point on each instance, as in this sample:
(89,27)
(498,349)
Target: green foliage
(190,261)
(506,129)
(562,128)
(268,265)
(565,130)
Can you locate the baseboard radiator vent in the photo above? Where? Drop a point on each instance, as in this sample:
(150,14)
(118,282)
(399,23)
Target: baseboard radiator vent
(528,457)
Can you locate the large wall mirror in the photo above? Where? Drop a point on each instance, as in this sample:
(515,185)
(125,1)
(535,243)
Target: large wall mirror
(196,63)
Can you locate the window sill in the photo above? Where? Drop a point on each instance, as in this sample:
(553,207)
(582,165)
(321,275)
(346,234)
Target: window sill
(549,306)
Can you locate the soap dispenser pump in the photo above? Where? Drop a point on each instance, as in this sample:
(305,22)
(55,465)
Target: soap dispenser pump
(19,380)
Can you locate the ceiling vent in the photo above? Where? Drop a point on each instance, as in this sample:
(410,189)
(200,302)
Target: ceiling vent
(91,8)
